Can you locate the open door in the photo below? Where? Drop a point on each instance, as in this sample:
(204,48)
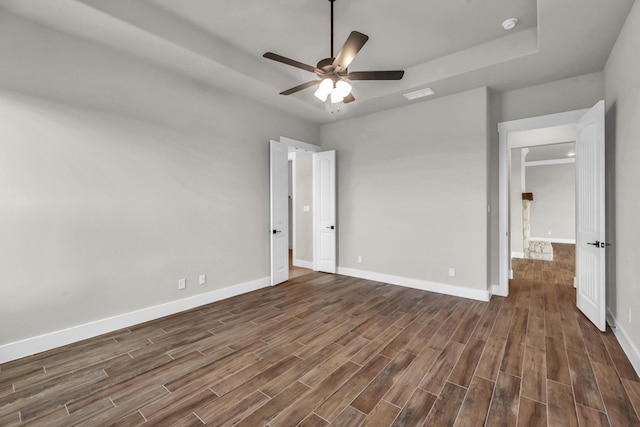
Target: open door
(590,216)
(279,180)
(324,213)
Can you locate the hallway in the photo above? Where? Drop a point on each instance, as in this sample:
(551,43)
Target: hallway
(580,374)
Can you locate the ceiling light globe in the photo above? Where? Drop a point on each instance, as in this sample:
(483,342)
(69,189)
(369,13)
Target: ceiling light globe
(325,88)
(322,96)
(342,88)
(336,97)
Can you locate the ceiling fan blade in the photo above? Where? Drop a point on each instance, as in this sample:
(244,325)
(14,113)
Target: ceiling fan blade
(292,62)
(351,47)
(300,87)
(375,75)
(349,98)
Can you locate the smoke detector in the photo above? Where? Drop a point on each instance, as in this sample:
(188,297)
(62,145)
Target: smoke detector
(510,24)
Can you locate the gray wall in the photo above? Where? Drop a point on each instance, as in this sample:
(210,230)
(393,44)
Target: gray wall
(563,95)
(304,197)
(118,178)
(412,186)
(553,209)
(622,80)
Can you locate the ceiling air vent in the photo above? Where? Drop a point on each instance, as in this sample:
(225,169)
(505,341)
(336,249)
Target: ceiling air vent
(419,93)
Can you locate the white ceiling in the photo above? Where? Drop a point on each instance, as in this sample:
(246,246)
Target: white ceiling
(451,45)
(543,136)
(551,152)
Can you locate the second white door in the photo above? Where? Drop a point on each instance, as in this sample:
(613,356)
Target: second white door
(324,212)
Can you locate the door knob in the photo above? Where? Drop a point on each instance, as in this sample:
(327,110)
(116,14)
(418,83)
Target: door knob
(277,231)
(331,227)
(599,244)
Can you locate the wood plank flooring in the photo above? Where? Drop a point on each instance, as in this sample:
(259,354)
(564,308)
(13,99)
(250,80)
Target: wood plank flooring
(294,271)
(331,350)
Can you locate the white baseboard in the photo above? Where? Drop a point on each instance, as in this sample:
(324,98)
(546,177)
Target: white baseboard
(302,263)
(517,254)
(623,338)
(29,346)
(458,291)
(495,290)
(553,240)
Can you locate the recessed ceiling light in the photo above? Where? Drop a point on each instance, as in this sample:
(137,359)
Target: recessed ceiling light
(427,91)
(510,24)
(571,154)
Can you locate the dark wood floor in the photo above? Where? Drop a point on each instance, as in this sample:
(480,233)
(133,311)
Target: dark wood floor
(327,349)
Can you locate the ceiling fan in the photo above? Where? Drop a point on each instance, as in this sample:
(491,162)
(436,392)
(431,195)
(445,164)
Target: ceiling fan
(332,72)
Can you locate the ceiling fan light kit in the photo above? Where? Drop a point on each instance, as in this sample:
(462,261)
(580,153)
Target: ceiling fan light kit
(338,90)
(332,72)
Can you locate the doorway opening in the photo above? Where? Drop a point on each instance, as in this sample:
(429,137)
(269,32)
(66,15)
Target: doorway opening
(300,214)
(311,197)
(586,127)
(523,133)
(542,186)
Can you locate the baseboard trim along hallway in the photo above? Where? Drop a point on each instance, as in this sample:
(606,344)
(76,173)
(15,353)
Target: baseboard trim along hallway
(623,338)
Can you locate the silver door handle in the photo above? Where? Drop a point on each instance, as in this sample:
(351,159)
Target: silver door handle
(277,231)
(331,227)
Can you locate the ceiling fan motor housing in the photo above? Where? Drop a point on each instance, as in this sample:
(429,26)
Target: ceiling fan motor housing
(325,69)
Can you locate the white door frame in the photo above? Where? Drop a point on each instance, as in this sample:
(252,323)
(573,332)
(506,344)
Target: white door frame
(294,249)
(504,168)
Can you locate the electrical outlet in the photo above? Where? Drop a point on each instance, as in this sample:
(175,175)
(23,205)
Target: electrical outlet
(182,283)
(203,279)
(359,259)
(452,271)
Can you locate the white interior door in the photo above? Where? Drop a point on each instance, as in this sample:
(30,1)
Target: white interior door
(590,216)
(279,180)
(324,212)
